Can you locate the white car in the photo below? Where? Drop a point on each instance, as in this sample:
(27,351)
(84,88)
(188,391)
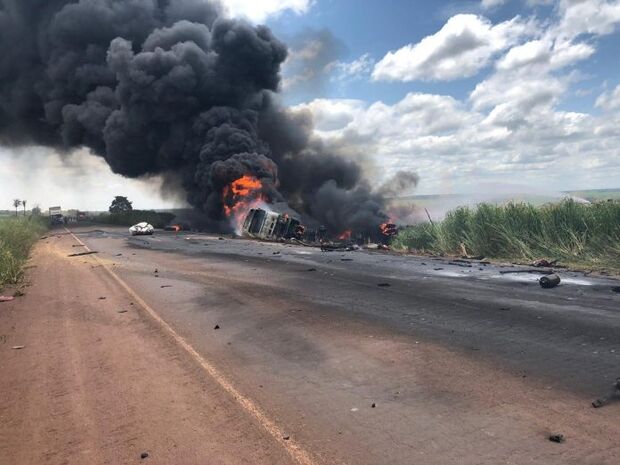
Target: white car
(142,229)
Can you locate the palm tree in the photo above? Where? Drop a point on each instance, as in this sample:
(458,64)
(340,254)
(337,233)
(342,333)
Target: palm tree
(16,204)
(24,205)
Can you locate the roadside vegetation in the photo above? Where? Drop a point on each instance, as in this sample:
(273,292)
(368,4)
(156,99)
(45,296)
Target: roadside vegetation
(122,214)
(17,236)
(574,233)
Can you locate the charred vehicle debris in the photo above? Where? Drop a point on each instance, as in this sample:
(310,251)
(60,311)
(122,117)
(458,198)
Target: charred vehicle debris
(272,226)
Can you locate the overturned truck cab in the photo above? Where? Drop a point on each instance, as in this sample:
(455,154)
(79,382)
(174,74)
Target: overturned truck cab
(263,224)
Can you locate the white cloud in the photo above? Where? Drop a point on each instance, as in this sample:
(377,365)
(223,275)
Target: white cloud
(353,70)
(463,46)
(259,10)
(597,17)
(609,101)
(447,140)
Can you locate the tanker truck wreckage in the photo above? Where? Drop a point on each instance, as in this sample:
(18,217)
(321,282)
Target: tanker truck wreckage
(252,216)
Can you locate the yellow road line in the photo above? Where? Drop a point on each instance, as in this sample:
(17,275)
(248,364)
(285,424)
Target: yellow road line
(295,450)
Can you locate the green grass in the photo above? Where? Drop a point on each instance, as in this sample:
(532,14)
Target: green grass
(17,236)
(575,233)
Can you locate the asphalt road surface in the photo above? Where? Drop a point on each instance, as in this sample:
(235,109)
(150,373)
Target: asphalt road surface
(252,352)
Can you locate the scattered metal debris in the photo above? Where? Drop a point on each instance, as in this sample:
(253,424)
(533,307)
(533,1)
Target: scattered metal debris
(559,438)
(526,270)
(82,253)
(544,263)
(461,263)
(548,282)
(614,393)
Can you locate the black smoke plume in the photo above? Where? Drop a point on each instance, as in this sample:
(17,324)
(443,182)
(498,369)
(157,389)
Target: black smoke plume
(173,88)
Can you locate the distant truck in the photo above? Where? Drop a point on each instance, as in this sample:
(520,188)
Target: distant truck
(56,216)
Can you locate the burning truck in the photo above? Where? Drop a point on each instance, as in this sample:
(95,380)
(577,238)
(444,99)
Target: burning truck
(263,224)
(260,223)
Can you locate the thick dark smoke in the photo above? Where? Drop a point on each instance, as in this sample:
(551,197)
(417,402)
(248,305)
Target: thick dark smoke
(169,87)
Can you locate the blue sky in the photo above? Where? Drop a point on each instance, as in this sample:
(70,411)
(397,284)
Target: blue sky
(473,95)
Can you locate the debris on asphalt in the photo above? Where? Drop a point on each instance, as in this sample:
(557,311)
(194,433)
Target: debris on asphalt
(119,255)
(165,285)
(82,254)
(144,455)
(311,269)
(102,298)
(548,282)
(6,298)
(221,239)
(544,263)
(346,259)
(437,269)
(122,311)
(384,284)
(276,253)
(18,347)
(614,394)
(462,263)
(217,327)
(373,405)
(615,289)
(526,270)
(559,438)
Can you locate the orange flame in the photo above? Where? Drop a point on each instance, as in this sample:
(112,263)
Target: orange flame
(241,196)
(388,229)
(345,236)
